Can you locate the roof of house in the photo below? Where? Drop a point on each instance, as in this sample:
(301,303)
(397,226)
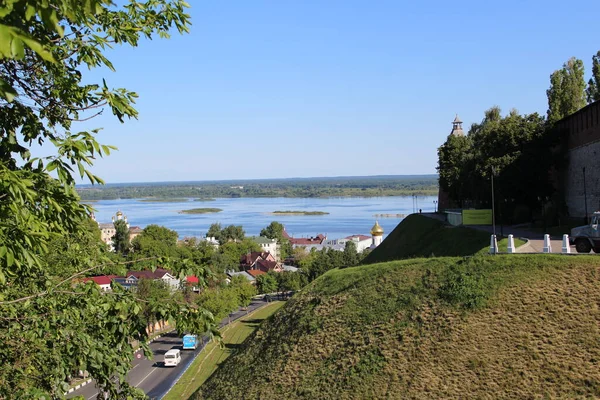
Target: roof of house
(289,268)
(263,240)
(158,274)
(359,237)
(242,273)
(319,239)
(267,264)
(191,279)
(101,280)
(135,229)
(106,225)
(255,272)
(250,258)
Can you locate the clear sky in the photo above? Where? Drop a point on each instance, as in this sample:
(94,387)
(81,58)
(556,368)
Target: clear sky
(275,89)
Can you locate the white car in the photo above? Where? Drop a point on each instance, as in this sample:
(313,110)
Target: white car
(172,358)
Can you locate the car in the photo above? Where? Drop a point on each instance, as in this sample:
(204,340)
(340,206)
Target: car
(172,358)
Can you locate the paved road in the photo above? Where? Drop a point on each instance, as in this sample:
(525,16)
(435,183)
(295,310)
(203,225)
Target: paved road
(150,375)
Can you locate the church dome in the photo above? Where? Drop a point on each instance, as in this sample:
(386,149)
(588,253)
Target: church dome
(377,230)
(119,213)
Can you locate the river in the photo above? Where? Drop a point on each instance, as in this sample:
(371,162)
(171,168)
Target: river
(347,215)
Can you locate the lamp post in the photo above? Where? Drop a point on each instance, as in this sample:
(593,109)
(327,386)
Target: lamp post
(435,206)
(493,201)
(585,197)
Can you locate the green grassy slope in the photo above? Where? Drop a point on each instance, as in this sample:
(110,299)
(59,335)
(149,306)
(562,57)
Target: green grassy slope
(508,326)
(420,236)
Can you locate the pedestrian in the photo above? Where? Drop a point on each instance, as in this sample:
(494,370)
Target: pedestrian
(420,211)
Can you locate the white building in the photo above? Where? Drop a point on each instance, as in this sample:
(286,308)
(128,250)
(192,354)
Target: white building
(361,241)
(267,245)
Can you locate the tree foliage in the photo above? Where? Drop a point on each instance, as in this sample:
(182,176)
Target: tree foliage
(121,237)
(54,325)
(275,231)
(266,283)
(566,94)
(593,89)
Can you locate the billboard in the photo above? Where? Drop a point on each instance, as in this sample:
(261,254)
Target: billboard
(477,217)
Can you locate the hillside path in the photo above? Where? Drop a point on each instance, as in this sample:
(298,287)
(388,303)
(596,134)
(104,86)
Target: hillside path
(535,242)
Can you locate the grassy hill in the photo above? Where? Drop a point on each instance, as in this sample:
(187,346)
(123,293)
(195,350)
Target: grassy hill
(420,236)
(506,326)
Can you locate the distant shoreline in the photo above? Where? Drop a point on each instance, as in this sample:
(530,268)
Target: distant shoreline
(299,213)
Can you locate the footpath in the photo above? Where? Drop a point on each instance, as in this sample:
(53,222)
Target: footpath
(535,240)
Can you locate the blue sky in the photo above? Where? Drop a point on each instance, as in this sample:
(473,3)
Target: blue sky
(269,89)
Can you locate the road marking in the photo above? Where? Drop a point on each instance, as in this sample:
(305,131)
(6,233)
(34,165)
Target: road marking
(149,373)
(136,365)
(93,397)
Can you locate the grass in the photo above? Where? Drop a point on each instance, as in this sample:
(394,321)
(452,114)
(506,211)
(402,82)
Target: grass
(212,356)
(204,199)
(420,236)
(299,213)
(201,211)
(516,326)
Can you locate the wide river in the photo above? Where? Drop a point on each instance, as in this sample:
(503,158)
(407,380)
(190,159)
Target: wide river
(347,215)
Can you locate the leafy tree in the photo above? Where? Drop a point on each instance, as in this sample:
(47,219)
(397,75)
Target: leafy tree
(151,295)
(453,158)
(214,230)
(275,231)
(266,283)
(290,281)
(53,325)
(566,94)
(155,241)
(121,237)
(232,233)
(593,89)
(244,290)
(350,255)
(219,301)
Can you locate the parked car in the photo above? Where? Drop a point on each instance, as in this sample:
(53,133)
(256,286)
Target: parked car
(172,358)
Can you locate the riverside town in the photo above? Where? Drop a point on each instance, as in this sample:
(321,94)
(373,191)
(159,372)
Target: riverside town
(299,200)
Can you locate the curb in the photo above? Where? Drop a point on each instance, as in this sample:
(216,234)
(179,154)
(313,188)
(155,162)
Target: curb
(82,384)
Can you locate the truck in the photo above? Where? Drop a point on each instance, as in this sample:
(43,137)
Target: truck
(190,342)
(587,237)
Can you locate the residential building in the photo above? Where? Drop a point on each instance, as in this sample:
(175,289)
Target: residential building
(362,242)
(103,281)
(159,274)
(262,261)
(303,242)
(267,245)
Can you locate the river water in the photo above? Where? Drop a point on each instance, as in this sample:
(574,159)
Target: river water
(347,215)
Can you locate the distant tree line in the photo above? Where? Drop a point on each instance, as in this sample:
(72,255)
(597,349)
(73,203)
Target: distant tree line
(365,187)
(522,152)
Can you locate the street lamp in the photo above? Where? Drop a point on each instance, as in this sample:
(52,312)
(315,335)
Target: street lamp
(435,206)
(493,201)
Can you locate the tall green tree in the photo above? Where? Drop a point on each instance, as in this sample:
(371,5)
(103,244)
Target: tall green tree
(266,283)
(121,237)
(593,89)
(350,254)
(275,231)
(566,94)
(52,325)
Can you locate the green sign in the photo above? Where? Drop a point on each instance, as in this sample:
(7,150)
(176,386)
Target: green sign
(477,217)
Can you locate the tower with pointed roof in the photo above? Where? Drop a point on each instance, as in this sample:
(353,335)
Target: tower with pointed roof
(457,129)
(377,234)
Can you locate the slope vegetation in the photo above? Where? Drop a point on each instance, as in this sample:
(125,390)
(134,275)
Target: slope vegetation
(507,326)
(420,236)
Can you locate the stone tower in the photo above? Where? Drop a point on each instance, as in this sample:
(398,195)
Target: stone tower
(377,234)
(457,129)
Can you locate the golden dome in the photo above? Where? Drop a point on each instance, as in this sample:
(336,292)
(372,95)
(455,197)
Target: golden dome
(119,213)
(377,230)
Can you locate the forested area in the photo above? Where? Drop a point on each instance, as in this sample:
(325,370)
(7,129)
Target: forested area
(310,187)
(522,153)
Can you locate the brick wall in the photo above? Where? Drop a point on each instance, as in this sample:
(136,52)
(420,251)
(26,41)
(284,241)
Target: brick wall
(582,131)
